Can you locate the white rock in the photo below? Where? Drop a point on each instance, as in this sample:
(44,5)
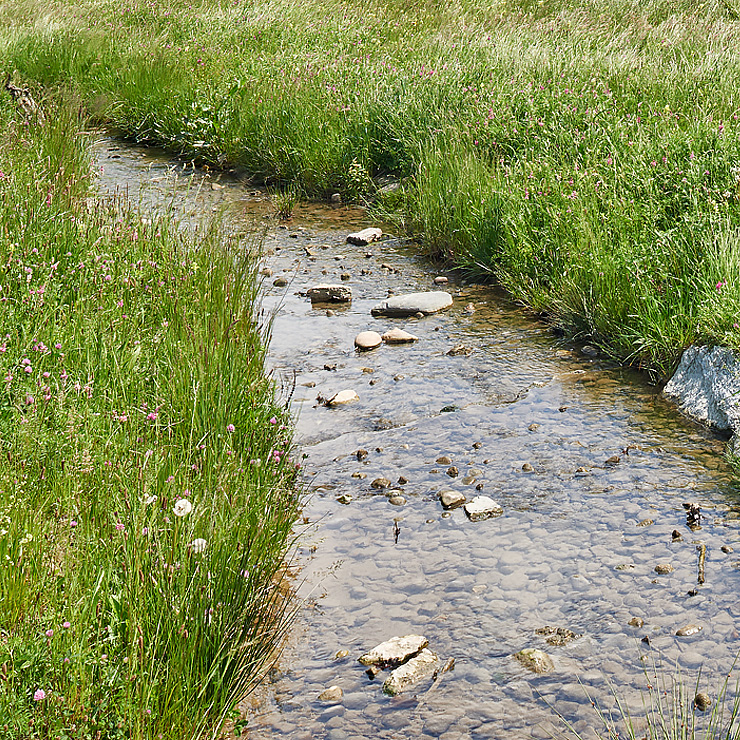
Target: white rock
(410,673)
(482,507)
(329,294)
(395,650)
(364,237)
(399,336)
(338,399)
(332,694)
(413,303)
(366,340)
(706,386)
(451,499)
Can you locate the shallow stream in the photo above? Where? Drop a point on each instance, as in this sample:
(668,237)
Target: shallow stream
(526,420)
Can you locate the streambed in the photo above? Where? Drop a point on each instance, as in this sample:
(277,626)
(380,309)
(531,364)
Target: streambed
(526,420)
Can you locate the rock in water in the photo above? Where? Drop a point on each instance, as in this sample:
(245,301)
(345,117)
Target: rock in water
(329,294)
(535,660)
(705,386)
(413,303)
(339,399)
(399,336)
(332,694)
(394,651)
(410,673)
(688,630)
(482,507)
(364,237)
(451,499)
(367,340)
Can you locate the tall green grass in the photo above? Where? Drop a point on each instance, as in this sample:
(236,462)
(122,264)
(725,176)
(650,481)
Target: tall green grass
(146,488)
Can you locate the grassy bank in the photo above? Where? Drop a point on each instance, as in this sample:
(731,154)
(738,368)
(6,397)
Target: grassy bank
(583,154)
(146,496)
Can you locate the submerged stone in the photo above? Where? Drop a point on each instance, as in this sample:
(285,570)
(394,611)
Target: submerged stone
(330,294)
(339,399)
(535,660)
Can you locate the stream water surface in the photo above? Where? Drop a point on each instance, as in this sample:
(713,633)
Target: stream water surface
(526,420)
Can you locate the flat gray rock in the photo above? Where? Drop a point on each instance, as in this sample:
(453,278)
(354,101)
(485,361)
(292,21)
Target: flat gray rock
(329,294)
(410,673)
(364,237)
(413,303)
(394,651)
(482,507)
(706,386)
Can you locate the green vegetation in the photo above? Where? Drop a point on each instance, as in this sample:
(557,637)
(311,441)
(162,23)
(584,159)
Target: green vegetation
(146,491)
(582,153)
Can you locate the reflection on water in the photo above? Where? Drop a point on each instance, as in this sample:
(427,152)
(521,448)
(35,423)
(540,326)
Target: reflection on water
(591,466)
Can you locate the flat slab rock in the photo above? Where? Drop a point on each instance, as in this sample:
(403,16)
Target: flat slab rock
(706,386)
(420,666)
(394,651)
(413,303)
(364,237)
(482,507)
(329,294)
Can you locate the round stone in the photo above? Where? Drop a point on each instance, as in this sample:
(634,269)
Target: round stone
(367,340)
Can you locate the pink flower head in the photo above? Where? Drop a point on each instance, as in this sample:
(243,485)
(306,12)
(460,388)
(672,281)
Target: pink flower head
(39,695)
(721,284)
(66,625)
(273,420)
(49,633)
(230,428)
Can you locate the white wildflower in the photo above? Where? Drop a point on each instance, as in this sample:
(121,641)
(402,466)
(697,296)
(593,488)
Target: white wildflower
(198,545)
(182,507)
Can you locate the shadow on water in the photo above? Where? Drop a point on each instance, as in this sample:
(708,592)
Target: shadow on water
(591,466)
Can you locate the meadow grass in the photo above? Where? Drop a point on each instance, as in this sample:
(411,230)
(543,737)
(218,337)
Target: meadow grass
(147,494)
(583,154)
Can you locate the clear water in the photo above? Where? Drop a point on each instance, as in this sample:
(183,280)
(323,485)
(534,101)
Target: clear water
(573,548)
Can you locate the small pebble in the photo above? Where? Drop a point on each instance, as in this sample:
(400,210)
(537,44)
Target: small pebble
(726,549)
(688,630)
(380,483)
(452,471)
(676,536)
(361,454)
(443,460)
(636,622)
(527,468)
(345,499)
(360,476)
(280,282)
(663,569)
(702,701)
(533,427)
(396,500)
(341,654)
(645,522)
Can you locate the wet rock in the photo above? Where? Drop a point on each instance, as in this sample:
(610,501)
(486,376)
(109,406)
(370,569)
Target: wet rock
(533,427)
(332,694)
(360,476)
(330,367)
(368,370)
(398,378)
(373,671)
(557,636)
(636,622)
(460,350)
(280,282)
(726,549)
(345,499)
(527,468)
(380,483)
(482,507)
(413,303)
(330,294)
(440,280)
(625,566)
(396,500)
(589,351)
(367,340)
(341,654)
(613,460)
(452,471)
(330,313)
(449,409)
(646,523)
(676,536)
(266,272)
(345,276)
(477,445)
(361,454)
(443,460)
(399,336)
(364,237)
(343,397)
(688,630)
(469,310)
(419,667)
(663,569)
(581,470)
(394,651)
(535,660)
(702,701)
(451,499)
(468,479)
(402,480)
